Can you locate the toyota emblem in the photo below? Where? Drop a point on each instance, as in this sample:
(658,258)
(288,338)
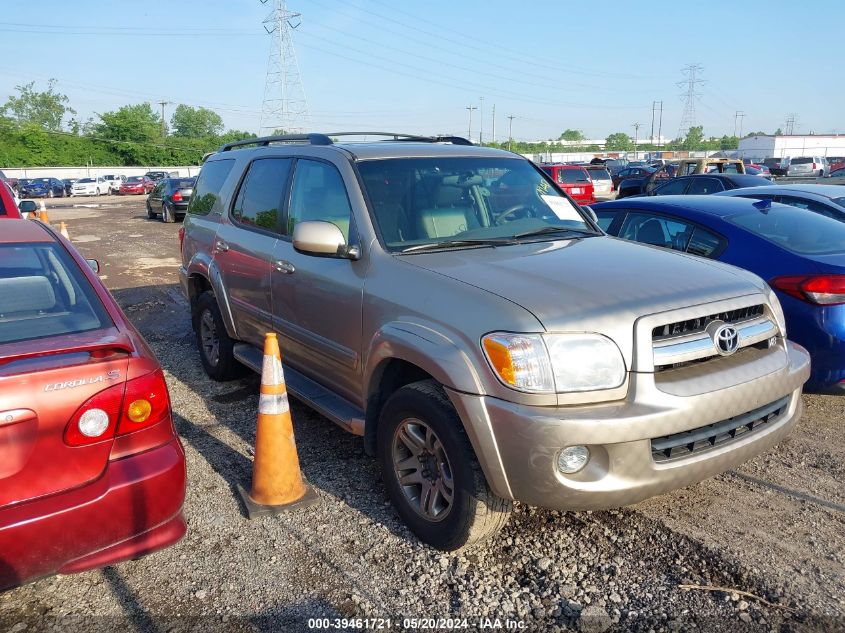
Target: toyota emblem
(726,340)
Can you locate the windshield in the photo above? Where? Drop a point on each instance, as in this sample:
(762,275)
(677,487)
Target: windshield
(794,229)
(84,180)
(418,201)
(24,181)
(135,179)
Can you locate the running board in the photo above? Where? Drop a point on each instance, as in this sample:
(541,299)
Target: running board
(337,409)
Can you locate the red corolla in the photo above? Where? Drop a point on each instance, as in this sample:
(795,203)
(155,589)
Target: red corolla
(8,208)
(92,471)
(136,185)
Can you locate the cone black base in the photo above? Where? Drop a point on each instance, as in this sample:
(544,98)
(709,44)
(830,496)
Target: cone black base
(256,510)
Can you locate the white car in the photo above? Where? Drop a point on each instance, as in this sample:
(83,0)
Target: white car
(89,187)
(114,181)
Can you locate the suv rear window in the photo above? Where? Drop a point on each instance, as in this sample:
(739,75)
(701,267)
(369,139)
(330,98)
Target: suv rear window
(572,176)
(801,160)
(206,196)
(43,293)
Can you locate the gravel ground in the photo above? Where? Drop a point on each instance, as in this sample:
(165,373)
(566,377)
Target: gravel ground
(774,528)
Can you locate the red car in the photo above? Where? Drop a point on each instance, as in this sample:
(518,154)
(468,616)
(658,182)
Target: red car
(574,180)
(8,208)
(92,471)
(137,184)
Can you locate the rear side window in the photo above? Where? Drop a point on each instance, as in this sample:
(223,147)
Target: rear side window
(703,243)
(260,197)
(671,188)
(43,293)
(206,196)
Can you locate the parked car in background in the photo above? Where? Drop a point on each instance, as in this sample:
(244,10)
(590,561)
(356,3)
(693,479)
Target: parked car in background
(827,200)
(494,345)
(114,181)
(137,185)
(836,162)
(42,188)
(8,202)
(602,182)
(800,254)
(689,166)
(169,198)
(155,176)
(631,172)
(93,472)
(704,184)
(614,165)
(89,187)
(838,173)
(807,166)
(574,180)
(777,166)
(760,170)
(68,183)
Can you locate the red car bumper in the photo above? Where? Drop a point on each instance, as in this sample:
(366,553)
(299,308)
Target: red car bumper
(133,509)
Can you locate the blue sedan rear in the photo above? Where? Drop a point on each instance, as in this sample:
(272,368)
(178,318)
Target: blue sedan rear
(801,254)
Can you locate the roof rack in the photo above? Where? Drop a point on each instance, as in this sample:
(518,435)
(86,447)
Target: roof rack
(325,139)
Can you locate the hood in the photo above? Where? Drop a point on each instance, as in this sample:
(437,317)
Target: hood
(597,284)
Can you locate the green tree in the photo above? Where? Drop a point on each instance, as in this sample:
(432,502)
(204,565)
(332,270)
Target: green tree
(618,141)
(45,109)
(235,135)
(728,142)
(572,135)
(137,123)
(694,138)
(191,122)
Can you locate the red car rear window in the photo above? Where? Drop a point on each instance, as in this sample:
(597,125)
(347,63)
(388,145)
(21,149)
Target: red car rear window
(572,176)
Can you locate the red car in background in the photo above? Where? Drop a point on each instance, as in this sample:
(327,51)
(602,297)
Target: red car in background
(8,208)
(92,471)
(574,180)
(136,185)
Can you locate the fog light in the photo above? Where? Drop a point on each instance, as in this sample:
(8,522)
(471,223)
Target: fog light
(93,422)
(572,459)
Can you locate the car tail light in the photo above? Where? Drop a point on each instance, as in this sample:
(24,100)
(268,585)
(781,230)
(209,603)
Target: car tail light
(120,410)
(817,289)
(176,197)
(181,237)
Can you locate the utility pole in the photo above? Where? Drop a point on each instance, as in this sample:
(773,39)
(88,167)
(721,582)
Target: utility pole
(510,130)
(494,122)
(790,123)
(481,122)
(469,129)
(163,124)
(284,106)
(738,116)
(636,127)
(653,108)
(689,96)
(660,127)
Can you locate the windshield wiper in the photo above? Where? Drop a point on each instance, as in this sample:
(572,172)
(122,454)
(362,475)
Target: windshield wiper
(555,229)
(490,241)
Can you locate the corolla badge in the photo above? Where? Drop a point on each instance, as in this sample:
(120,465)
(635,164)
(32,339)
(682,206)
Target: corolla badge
(110,376)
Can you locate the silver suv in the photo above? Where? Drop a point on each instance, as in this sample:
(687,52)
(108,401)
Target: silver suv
(490,343)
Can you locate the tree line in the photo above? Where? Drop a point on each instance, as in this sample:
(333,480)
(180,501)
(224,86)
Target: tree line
(40,128)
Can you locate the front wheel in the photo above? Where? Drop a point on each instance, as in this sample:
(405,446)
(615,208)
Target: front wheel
(98,191)
(50,194)
(431,472)
(213,341)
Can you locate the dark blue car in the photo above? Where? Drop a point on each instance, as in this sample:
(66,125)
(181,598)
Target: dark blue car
(41,188)
(801,254)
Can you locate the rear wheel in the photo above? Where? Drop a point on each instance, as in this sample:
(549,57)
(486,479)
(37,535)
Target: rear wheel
(431,472)
(213,342)
(50,193)
(150,213)
(167,213)
(98,191)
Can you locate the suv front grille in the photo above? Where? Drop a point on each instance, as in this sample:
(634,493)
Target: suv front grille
(704,438)
(693,326)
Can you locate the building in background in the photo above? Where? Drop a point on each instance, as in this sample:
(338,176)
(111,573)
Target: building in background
(793,145)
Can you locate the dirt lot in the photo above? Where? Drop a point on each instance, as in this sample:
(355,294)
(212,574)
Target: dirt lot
(774,528)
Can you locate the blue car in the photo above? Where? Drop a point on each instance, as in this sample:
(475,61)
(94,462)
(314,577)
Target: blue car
(41,188)
(799,253)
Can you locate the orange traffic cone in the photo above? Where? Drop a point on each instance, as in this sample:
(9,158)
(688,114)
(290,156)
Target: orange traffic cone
(277,483)
(42,213)
(63,231)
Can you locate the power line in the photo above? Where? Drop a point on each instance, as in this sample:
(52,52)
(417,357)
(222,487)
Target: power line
(284,105)
(689,97)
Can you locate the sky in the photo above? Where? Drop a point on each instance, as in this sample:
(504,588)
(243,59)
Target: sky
(415,67)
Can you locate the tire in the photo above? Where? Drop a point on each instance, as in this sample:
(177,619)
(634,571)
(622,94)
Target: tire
(150,213)
(167,214)
(98,191)
(422,414)
(50,194)
(219,363)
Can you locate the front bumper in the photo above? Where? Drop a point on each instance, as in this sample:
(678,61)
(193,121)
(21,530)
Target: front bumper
(518,445)
(133,509)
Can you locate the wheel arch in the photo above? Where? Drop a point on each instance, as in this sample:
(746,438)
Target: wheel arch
(204,276)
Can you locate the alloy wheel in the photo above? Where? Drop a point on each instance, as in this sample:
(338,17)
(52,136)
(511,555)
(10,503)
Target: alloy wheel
(209,338)
(422,469)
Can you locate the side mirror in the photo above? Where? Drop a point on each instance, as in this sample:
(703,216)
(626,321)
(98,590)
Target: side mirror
(94,264)
(322,238)
(28,206)
(592,214)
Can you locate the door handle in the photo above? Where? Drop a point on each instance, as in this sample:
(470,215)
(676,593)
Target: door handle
(220,246)
(284,267)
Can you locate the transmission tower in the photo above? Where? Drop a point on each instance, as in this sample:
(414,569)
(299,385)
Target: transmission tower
(284,106)
(692,73)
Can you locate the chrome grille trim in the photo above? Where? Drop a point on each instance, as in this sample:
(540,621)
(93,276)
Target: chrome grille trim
(681,349)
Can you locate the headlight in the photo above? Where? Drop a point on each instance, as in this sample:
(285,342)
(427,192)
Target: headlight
(547,363)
